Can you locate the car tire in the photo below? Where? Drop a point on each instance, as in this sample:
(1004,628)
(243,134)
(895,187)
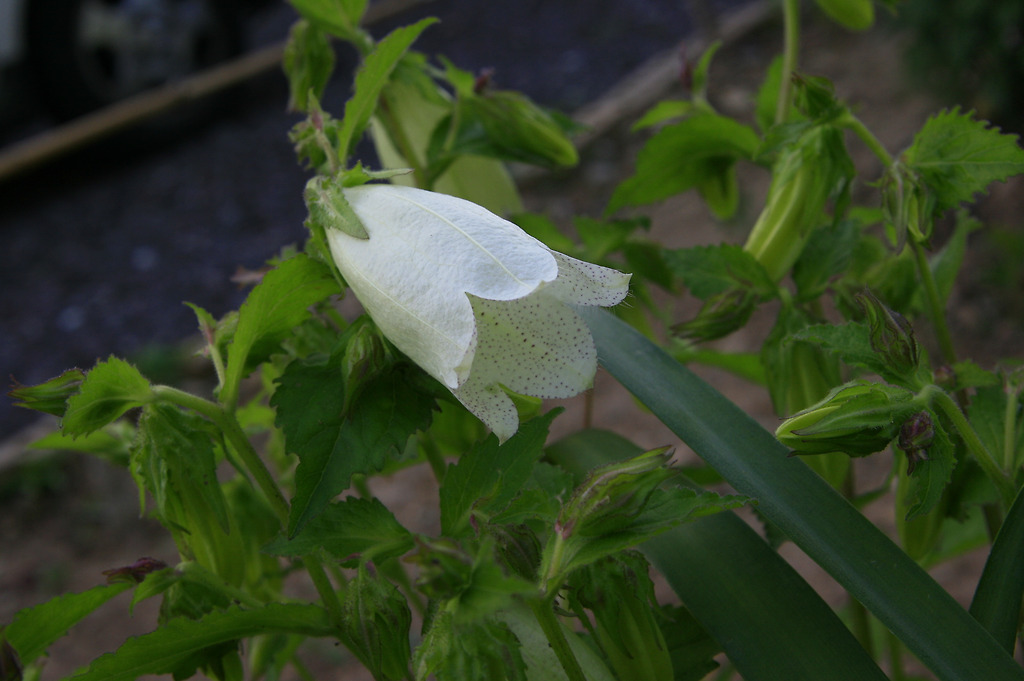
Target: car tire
(87,54)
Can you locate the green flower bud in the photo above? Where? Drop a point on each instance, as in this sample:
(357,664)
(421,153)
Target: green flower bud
(907,205)
(802,179)
(375,625)
(612,495)
(892,336)
(520,130)
(720,315)
(50,397)
(857,418)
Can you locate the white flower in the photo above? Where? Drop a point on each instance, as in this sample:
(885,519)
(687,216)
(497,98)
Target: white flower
(472,299)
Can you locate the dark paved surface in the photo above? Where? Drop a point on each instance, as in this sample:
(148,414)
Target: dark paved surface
(100,250)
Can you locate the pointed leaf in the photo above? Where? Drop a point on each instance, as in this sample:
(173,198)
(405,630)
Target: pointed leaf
(831,531)
(996,602)
(352,526)
(279,303)
(333,444)
(489,476)
(35,629)
(176,647)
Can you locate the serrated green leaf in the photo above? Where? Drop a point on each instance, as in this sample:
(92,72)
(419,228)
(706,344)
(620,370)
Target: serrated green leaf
(353,526)
(333,444)
(176,647)
(852,343)
(683,155)
(34,629)
(489,476)
(109,390)
(279,303)
(959,157)
(373,75)
(827,254)
(710,270)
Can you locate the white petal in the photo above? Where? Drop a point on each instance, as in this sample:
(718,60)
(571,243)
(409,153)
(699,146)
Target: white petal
(536,346)
(490,404)
(425,252)
(583,283)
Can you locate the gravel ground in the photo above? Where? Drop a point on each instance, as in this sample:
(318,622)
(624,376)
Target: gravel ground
(100,250)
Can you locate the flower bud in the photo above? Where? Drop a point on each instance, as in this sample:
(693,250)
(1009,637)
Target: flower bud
(907,205)
(613,494)
(802,179)
(375,625)
(50,397)
(720,315)
(892,336)
(521,130)
(916,435)
(857,418)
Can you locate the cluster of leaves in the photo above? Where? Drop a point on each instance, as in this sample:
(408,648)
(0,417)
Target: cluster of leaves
(533,573)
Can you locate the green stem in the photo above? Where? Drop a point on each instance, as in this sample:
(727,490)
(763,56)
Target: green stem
(324,587)
(936,309)
(944,403)
(545,615)
(234,434)
(869,139)
(791,51)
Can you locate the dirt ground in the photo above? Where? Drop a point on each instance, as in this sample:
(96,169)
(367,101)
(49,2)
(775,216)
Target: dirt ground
(81,517)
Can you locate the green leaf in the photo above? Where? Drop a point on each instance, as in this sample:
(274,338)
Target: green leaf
(852,343)
(828,529)
(710,270)
(179,646)
(333,444)
(489,476)
(338,17)
(34,629)
(664,111)
(353,526)
(109,390)
(996,602)
(959,157)
(682,156)
(945,264)
(308,63)
(827,254)
(279,303)
(370,81)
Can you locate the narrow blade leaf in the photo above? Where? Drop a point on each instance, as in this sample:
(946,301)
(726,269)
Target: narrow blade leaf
(831,531)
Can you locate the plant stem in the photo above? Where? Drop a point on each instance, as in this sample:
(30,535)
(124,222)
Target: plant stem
(791,51)
(324,587)
(234,434)
(869,139)
(942,401)
(936,309)
(556,638)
